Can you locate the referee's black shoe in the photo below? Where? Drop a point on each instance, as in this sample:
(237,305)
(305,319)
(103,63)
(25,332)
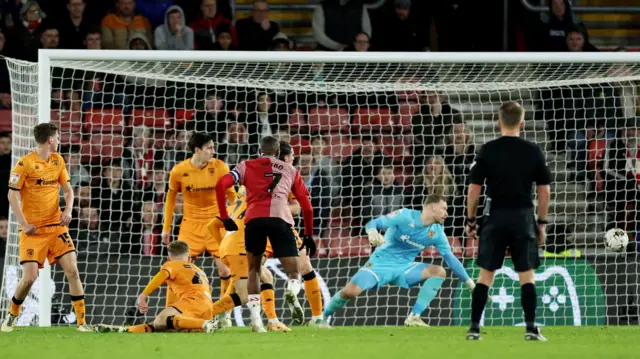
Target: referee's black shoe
(534,335)
(473,334)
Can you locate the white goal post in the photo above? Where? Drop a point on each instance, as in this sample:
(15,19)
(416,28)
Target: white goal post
(578,106)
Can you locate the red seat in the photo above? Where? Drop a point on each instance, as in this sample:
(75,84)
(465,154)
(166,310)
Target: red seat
(408,95)
(67,138)
(5,120)
(182,116)
(471,248)
(328,119)
(373,121)
(297,123)
(322,248)
(342,146)
(106,146)
(67,121)
(107,121)
(154,118)
(404,175)
(300,145)
(358,247)
(456,246)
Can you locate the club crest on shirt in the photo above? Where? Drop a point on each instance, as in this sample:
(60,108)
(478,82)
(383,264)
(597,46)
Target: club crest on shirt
(211,170)
(185,175)
(393,214)
(431,233)
(55,163)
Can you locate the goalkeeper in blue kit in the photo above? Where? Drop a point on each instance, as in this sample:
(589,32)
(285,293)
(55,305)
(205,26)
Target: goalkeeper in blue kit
(408,233)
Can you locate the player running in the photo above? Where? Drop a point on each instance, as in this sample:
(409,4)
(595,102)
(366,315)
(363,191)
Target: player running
(197,178)
(34,186)
(268,182)
(192,309)
(509,165)
(408,233)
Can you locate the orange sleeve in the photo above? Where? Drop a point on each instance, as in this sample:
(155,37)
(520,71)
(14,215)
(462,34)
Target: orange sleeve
(64,174)
(157,281)
(215,228)
(170,201)
(19,175)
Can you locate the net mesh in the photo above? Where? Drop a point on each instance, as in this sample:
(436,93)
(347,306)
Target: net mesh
(370,138)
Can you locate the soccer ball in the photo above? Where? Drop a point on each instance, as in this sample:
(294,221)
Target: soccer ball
(616,239)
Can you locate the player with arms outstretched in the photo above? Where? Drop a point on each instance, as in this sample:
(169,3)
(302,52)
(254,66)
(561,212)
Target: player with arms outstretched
(268,182)
(408,233)
(191,310)
(196,178)
(34,186)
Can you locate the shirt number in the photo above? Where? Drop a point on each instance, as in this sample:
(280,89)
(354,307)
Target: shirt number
(276,177)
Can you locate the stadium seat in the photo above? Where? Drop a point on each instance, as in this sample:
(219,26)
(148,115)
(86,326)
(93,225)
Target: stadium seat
(67,121)
(358,247)
(86,153)
(405,113)
(342,146)
(397,147)
(456,246)
(297,123)
(300,145)
(181,116)
(107,121)
(104,146)
(404,175)
(408,95)
(154,118)
(5,120)
(328,119)
(322,248)
(373,121)
(67,138)
(471,248)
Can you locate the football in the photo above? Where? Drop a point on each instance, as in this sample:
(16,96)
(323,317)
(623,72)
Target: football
(616,239)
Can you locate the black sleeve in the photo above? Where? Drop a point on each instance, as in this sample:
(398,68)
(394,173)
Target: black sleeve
(542,173)
(479,168)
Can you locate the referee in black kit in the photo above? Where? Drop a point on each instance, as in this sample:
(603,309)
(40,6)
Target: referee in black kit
(509,165)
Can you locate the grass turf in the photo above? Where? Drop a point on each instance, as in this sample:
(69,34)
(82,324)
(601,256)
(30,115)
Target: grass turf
(308,343)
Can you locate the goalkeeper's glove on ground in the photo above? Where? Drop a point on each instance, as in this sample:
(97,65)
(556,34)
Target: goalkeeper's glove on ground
(375,238)
(229,224)
(309,244)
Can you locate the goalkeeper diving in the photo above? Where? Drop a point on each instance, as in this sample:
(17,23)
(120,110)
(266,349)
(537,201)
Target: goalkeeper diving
(408,233)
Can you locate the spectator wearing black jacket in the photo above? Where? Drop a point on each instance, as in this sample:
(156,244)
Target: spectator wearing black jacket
(74,25)
(213,117)
(383,195)
(256,33)
(357,171)
(25,35)
(555,25)
(400,31)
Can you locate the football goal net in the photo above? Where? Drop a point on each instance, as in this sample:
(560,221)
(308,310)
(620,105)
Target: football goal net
(372,133)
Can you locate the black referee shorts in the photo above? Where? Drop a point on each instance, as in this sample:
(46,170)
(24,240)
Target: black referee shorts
(513,229)
(277,230)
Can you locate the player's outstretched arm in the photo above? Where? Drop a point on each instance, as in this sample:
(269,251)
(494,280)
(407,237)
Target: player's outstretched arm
(154,284)
(456,266)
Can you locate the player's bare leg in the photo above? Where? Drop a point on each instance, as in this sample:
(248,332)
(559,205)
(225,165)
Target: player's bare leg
(29,276)
(268,299)
(479,301)
(291,267)
(340,299)
(225,279)
(253,291)
(529,300)
(69,264)
(312,291)
(431,278)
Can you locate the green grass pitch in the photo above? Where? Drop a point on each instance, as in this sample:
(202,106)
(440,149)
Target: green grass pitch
(342,342)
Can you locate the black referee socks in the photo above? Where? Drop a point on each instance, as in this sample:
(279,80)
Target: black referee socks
(478,301)
(529,299)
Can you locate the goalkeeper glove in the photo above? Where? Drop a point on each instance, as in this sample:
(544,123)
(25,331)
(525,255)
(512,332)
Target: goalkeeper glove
(309,244)
(375,238)
(229,224)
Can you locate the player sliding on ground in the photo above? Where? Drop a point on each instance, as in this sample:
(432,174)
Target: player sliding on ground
(408,233)
(192,309)
(196,179)
(268,182)
(43,226)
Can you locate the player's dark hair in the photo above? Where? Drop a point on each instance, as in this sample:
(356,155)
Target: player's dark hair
(285,150)
(511,114)
(178,248)
(43,131)
(270,146)
(434,198)
(198,140)
(5,134)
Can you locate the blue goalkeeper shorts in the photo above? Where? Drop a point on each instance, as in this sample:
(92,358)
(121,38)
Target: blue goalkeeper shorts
(376,275)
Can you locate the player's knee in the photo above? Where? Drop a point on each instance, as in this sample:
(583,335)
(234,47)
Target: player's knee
(266,276)
(29,278)
(160,322)
(350,291)
(527,277)
(72,274)
(436,271)
(305,265)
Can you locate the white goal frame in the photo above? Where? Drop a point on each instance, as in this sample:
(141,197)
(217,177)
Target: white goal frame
(47,56)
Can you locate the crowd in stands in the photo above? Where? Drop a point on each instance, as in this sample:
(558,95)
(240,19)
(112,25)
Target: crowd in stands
(119,156)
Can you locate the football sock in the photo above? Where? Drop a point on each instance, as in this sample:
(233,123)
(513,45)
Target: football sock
(224,285)
(179,322)
(141,328)
(427,292)
(16,304)
(336,303)
(313,293)
(268,299)
(254,308)
(79,308)
(293,285)
(529,299)
(226,303)
(172,298)
(478,302)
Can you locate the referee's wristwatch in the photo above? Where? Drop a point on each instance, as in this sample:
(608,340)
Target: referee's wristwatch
(542,221)
(471,221)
